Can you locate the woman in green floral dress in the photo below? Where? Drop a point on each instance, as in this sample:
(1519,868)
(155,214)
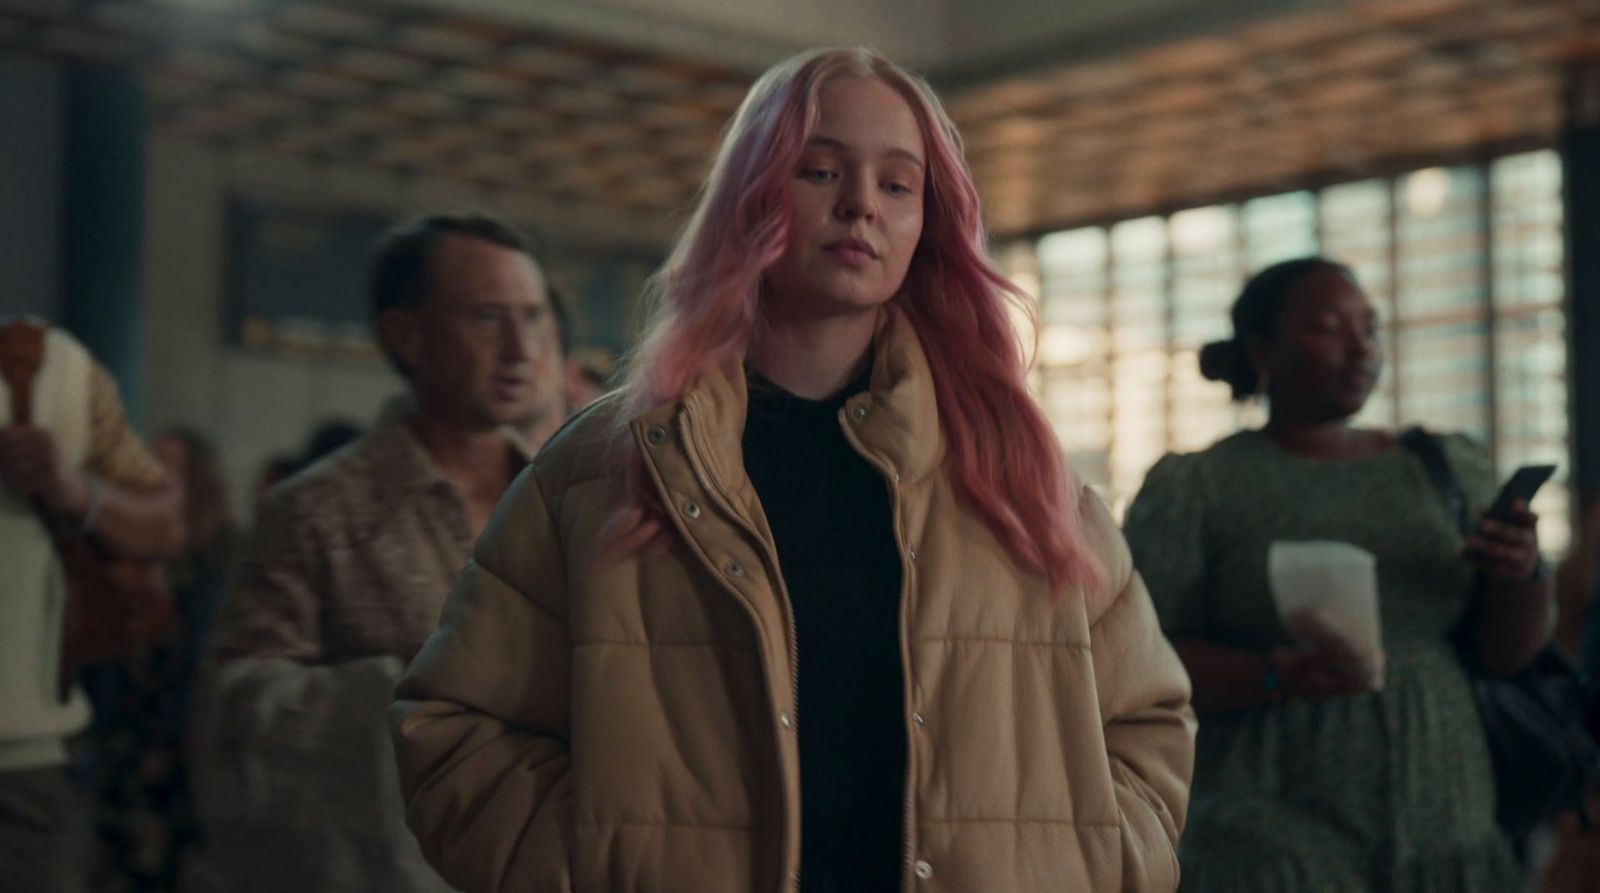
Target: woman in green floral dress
(1308,779)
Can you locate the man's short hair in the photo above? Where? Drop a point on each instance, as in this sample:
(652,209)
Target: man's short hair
(400,272)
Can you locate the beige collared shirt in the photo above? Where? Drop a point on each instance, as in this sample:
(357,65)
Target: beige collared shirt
(351,559)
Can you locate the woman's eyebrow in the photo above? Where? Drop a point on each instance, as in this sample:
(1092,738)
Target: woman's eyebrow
(828,142)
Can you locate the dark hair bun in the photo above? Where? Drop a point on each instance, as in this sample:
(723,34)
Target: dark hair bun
(1228,361)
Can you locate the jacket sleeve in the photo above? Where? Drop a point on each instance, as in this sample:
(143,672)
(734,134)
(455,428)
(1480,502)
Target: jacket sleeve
(1144,702)
(482,720)
(115,450)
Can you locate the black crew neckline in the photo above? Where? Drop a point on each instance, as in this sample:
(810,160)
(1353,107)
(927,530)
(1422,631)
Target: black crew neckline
(770,395)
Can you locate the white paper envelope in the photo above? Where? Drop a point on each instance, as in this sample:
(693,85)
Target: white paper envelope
(1334,586)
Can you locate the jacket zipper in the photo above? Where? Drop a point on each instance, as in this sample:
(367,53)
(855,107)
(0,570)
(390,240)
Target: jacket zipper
(907,856)
(686,431)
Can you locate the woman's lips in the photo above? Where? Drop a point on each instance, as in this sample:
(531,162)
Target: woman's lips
(852,252)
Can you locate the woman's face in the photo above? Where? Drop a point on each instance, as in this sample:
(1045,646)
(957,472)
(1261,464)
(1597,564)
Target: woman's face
(856,196)
(1326,358)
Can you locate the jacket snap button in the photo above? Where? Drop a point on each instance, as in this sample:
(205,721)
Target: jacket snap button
(858,412)
(690,509)
(911,554)
(733,569)
(917,718)
(786,720)
(924,870)
(656,435)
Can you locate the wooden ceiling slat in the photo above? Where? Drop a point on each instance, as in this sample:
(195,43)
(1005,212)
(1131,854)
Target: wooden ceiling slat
(1295,96)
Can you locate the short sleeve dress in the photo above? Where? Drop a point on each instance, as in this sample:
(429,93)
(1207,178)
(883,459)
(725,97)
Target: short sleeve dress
(1385,791)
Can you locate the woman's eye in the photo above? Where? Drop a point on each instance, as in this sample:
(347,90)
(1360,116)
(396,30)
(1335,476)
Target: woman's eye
(817,175)
(896,188)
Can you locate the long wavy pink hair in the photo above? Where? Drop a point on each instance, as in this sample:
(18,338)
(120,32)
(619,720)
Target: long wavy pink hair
(1000,449)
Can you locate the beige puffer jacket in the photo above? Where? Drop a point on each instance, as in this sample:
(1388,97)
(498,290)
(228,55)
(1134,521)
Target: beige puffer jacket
(627,724)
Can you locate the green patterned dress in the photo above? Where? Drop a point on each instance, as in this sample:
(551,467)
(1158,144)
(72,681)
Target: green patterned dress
(1387,791)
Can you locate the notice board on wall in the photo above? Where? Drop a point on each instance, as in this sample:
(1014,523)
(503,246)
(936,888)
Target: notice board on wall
(297,279)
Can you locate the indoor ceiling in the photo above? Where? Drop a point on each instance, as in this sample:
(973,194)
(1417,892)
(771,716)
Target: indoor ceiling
(1314,97)
(1336,92)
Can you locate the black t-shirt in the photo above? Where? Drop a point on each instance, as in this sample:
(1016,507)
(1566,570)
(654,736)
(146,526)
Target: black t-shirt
(833,522)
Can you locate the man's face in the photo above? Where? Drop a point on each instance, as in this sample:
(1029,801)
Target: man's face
(483,347)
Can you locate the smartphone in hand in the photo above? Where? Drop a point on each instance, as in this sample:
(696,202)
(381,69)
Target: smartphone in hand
(1523,485)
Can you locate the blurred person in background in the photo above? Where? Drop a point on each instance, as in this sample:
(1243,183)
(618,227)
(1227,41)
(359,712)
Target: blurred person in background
(199,573)
(1574,860)
(544,416)
(589,369)
(278,468)
(1310,774)
(77,460)
(350,564)
(553,410)
(1573,865)
(145,816)
(1578,590)
(325,439)
(814,600)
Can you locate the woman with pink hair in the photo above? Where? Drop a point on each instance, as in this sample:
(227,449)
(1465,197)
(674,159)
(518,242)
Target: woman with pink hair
(813,601)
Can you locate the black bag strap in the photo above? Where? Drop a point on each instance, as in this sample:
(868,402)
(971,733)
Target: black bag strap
(1426,448)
